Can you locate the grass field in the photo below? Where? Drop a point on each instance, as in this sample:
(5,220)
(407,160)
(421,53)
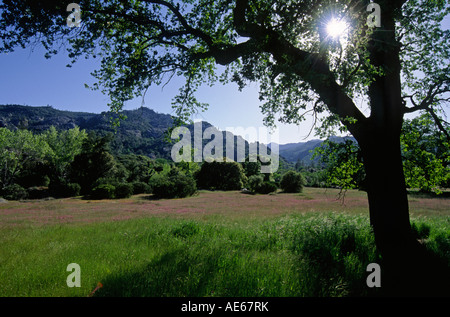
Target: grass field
(211,244)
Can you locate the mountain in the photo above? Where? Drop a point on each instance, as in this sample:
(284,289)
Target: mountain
(142,132)
(293,152)
(303,151)
(38,119)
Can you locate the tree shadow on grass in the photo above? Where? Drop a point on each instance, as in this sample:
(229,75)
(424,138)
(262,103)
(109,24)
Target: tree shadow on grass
(171,275)
(421,273)
(335,256)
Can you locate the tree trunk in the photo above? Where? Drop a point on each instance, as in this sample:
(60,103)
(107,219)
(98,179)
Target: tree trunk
(386,190)
(407,268)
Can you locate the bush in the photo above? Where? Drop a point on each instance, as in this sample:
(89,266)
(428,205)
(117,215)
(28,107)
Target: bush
(106,180)
(221,176)
(73,189)
(267,188)
(14,192)
(175,185)
(123,190)
(292,182)
(141,188)
(63,190)
(37,192)
(251,168)
(257,184)
(254,182)
(103,191)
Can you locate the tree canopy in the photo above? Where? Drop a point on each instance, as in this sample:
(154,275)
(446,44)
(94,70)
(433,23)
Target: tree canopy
(426,154)
(283,45)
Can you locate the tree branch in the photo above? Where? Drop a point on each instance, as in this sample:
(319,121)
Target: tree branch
(430,98)
(426,103)
(438,122)
(353,73)
(228,53)
(309,66)
(193,31)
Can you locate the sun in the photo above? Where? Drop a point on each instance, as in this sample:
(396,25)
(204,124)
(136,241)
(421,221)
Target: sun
(336,28)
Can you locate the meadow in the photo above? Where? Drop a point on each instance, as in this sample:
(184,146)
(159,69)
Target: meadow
(212,244)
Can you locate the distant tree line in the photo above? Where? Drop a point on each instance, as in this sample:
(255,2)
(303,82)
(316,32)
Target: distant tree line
(71,163)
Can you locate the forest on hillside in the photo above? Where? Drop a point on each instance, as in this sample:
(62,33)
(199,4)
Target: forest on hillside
(72,162)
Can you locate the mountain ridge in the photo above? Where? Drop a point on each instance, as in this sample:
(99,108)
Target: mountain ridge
(302,151)
(143,132)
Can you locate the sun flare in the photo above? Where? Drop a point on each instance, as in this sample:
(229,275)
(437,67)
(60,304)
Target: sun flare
(336,28)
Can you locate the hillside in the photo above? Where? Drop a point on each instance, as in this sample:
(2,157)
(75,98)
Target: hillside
(294,152)
(143,132)
(302,151)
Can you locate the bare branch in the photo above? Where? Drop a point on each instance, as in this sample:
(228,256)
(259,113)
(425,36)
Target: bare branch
(438,122)
(175,10)
(431,97)
(353,73)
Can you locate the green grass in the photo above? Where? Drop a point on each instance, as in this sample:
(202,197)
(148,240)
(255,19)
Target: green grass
(286,254)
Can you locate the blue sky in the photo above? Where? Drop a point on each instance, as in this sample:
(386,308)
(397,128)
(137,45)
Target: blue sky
(27,78)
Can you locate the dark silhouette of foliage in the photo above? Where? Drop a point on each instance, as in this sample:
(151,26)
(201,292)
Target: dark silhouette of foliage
(292,182)
(221,176)
(175,184)
(92,163)
(123,190)
(103,191)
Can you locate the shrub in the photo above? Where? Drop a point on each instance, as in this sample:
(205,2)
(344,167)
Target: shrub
(14,192)
(267,188)
(251,168)
(37,192)
(254,182)
(123,190)
(106,180)
(73,189)
(62,190)
(103,191)
(141,188)
(221,176)
(257,184)
(175,185)
(292,182)
(94,162)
